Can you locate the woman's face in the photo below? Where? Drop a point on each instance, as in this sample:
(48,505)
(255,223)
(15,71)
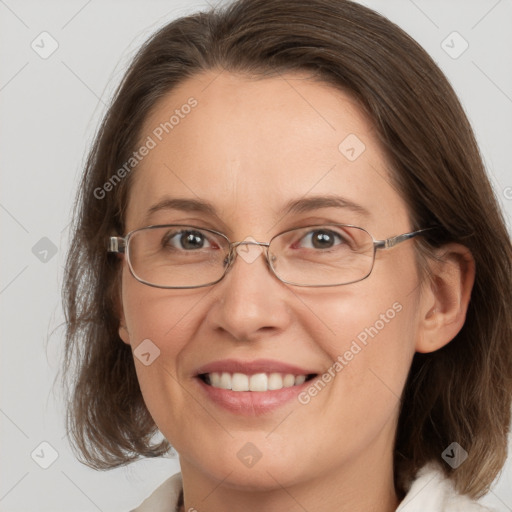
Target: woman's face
(249,147)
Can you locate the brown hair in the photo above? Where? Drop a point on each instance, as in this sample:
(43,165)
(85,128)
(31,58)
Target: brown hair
(460,393)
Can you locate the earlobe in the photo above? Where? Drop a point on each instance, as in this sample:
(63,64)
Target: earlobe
(123,329)
(445,297)
(123,333)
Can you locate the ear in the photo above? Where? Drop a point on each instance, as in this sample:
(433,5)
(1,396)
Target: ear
(445,297)
(123,329)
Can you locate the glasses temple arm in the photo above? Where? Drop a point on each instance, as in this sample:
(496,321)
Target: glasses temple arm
(395,240)
(116,244)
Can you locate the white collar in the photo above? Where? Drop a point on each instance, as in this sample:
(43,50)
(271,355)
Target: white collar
(431,491)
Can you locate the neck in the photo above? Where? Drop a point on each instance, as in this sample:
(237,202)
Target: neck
(361,486)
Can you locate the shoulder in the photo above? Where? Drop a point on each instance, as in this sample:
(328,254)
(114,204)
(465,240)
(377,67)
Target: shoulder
(164,498)
(431,491)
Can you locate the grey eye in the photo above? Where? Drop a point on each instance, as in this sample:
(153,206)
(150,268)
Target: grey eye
(186,239)
(321,239)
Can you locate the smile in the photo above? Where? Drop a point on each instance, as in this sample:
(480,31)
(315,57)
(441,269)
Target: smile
(259,382)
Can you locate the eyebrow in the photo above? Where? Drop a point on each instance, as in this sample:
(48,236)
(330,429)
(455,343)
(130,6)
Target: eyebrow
(295,206)
(185,205)
(308,204)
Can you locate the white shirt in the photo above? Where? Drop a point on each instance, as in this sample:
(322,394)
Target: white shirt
(431,491)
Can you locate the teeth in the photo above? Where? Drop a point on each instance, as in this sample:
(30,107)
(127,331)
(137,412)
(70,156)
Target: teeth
(300,379)
(225,381)
(288,381)
(255,382)
(258,382)
(275,381)
(240,382)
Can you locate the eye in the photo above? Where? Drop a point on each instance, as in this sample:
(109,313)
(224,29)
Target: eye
(187,239)
(322,239)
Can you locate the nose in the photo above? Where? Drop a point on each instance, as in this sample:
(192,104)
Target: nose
(250,299)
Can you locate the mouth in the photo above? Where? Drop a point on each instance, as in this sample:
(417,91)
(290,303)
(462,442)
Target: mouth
(255,387)
(256,382)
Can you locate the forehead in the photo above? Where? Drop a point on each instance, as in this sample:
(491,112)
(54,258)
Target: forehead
(248,146)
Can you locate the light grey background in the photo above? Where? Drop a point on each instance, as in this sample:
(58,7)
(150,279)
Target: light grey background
(50,110)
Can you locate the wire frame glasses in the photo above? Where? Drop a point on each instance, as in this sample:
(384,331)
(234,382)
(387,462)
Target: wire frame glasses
(183,256)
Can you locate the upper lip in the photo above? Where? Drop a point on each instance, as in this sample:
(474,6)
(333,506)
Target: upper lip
(251,367)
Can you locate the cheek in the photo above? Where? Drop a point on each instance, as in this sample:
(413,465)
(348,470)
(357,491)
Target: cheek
(369,336)
(370,344)
(380,311)
(166,317)
(160,323)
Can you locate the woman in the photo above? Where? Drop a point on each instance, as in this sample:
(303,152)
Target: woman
(289,261)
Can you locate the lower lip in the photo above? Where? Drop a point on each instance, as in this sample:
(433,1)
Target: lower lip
(251,403)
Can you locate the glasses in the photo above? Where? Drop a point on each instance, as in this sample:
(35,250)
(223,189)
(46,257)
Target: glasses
(182,256)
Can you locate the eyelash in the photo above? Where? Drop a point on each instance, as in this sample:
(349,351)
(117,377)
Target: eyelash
(308,234)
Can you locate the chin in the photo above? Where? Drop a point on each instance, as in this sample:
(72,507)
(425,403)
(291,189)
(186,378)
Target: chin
(262,477)
(242,466)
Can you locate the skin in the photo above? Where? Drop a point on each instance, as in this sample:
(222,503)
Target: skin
(250,146)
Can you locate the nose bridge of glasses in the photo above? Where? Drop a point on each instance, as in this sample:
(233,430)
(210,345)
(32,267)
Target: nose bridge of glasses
(233,246)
